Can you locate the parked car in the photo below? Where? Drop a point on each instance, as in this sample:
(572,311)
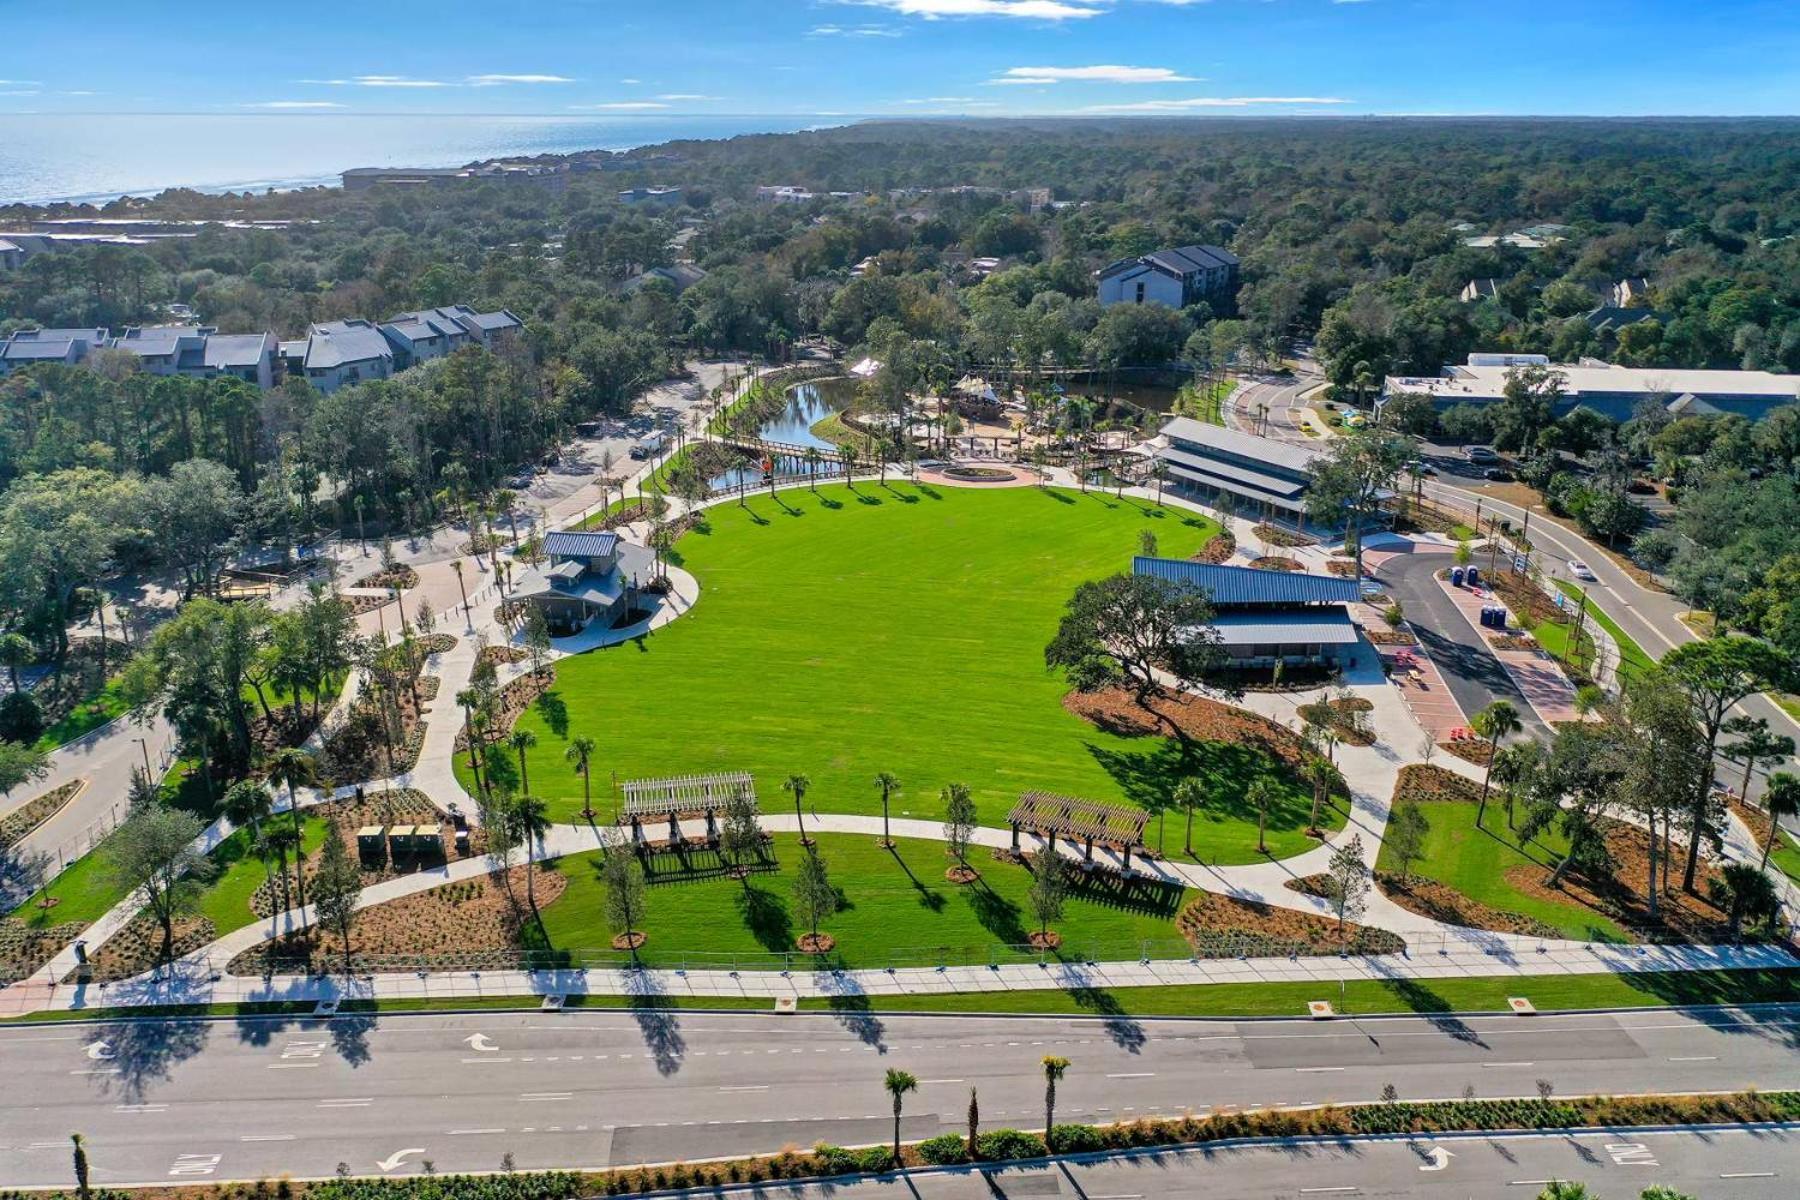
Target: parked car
(1581,570)
(1483,454)
(1497,475)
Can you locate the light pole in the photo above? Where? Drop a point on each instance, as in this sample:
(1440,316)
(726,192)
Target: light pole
(144,745)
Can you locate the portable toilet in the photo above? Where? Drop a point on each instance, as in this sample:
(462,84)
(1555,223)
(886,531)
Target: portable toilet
(1474,575)
(1456,576)
(1499,617)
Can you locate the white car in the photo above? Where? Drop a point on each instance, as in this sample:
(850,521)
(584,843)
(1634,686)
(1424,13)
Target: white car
(1581,570)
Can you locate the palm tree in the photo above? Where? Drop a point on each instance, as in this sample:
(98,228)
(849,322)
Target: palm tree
(468,698)
(797,784)
(292,767)
(813,459)
(1319,772)
(1189,795)
(521,741)
(1055,1067)
(277,841)
(530,822)
(1496,722)
(888,784)
(1782,796)
(579,751)
(1262,798)
(898,1083)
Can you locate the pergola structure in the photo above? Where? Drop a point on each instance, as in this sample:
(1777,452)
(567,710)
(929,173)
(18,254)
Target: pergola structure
(1051,816)
(682,794)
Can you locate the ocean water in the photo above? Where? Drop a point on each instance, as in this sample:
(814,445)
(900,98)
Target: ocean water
(98,157)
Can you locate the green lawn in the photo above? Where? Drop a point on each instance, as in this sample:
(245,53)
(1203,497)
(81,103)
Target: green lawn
(227,897)
(900,629)
(1786,856)
(106,705)
(1362,997)
(897,909)
(1474,862)
(1633,660)
(83,893)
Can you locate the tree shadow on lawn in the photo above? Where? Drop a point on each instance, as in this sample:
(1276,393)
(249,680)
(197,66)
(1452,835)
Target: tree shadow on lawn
(1056,494)
(998,915)
(555,711)
(767,918)
(1225,769)
(1138,894)
(929,898)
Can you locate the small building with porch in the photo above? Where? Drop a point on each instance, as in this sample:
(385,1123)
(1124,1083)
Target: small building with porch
(578,581)
(1268,617)
(1264,478)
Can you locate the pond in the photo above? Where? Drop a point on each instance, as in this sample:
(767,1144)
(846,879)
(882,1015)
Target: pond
(807,405)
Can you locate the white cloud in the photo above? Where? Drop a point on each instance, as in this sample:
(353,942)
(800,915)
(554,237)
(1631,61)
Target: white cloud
(1110,73)
(854,31)
(1031,10)
(1150,106)
(618,106)
(296,104)
(679,96)
(947,100)
(380,81)
(631,81)
(21,92)
(500,80)
(21,83)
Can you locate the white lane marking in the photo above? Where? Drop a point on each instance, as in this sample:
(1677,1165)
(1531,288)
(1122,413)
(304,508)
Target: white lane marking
(290,1066)
(99,1049)
(1529,1182)
(472,1132)
(348,1102)
(480,1042)
(954,1081)
(1631,1154)
(397,1157)
(1696,1058)
(1310,1191)
(492,1060)
(141,1108)
(1134,1075)
(530,1096)
(1749,1175)
(266,1137)
(97,1071)
(1316,1070)
(752,1087)
(195,1164)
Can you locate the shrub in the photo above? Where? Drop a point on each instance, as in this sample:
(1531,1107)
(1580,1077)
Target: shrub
(835,1160)
(1009,1143)
(947,1149)
(1077,1139)
(21,720)
(875,1159)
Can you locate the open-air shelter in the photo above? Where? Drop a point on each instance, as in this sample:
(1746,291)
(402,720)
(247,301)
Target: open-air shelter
(1051,816)
(682,795)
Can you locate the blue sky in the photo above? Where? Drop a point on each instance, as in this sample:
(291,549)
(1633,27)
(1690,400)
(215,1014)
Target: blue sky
(905,57)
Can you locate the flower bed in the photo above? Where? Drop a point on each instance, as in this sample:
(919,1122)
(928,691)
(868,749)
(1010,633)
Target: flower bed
(1390,637)
(979,474)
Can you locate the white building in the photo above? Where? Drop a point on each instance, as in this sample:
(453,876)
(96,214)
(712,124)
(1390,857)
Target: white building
(1176,278)
(784,194)
(1612,390)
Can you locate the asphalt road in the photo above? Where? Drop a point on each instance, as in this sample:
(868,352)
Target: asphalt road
(1474,676)
(1716,1165)
(172,1100)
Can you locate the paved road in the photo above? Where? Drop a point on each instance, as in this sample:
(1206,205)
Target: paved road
(1758,1164)
(1474,676)
(249,1099)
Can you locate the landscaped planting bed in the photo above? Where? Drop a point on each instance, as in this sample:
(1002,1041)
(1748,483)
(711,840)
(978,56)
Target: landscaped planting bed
(398,575)
(1219,550)
(514,698)
(1344,715)
(136,948)
(1470,750)
(1423,783)
(1440,902)
(25,947)
(1529,602)
(18,824)
(1226,927)
(1276,563)
(1275,535)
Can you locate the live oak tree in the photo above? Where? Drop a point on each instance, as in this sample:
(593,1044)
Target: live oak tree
(336,889)
(740,834)
(1049,887)
(814,895)
(1351,478)
(1347,882)
(1127,628)
(153,857)
(623,877)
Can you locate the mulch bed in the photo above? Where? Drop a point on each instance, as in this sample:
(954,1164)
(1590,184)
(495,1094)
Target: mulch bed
(361,602)
(514,699)
(1470,751)
(24,949)
(397,576)
(135,948)
(1044,939)
(1423,783)
(496,655)
(18,824)
(1622,896)
(1340,714)
(1276,564)
(1115,711)
(402,806)
(1390,637)
(1756,820)
(1440,902)
(1512,641)
(816,943)
(1225,926)
(1527,600)
(1343,568)
(462,925)
(1274,535)
(960,874)
(1219,549)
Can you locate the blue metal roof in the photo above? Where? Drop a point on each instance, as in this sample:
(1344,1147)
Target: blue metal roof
(570,544)
(1247,585)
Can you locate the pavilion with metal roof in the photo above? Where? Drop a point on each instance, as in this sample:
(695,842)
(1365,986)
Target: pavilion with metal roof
(1264,617)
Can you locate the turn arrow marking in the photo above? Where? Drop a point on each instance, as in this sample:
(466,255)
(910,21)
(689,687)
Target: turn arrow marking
(1440,1158)
(99,1050)
(397,1157)
(479,1041)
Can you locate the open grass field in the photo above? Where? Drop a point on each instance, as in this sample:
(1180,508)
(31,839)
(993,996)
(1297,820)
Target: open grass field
(844,633)
(227,897)
(1474,861)
(896,909)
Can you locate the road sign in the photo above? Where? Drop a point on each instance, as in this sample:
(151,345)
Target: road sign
(1519,563)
